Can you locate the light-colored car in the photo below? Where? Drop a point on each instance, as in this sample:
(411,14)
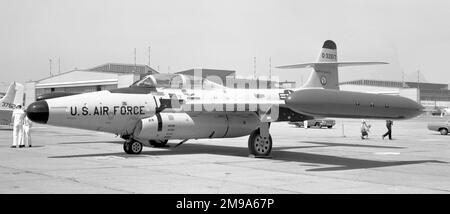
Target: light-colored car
(317,123)
(442,127)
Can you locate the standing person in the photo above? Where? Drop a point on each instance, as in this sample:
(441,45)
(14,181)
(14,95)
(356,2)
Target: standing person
(364,130)
(18,116)
(389,124)
(27,131)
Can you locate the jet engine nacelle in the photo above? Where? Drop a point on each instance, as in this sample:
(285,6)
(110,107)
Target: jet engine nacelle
(164,126)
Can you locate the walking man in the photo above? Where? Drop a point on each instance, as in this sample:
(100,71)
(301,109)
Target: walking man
(389,124)
(18,116)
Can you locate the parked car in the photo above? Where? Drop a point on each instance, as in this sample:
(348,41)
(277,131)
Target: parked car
(441,127)
(317,123)
(437,112)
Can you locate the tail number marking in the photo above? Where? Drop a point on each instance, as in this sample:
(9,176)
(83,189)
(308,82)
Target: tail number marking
(328,56)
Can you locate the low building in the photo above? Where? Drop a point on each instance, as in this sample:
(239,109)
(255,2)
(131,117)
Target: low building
(215,75)
(102,77)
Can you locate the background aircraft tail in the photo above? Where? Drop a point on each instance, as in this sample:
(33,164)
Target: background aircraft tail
(13,97)
(19,98)
(10,95)
(325,74)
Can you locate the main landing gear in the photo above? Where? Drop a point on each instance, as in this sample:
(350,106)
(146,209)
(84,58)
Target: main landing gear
(132,146)
(260,141)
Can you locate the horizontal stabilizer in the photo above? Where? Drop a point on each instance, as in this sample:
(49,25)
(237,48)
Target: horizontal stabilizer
(338,64)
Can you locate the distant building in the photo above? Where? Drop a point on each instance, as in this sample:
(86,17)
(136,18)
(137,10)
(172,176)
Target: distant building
(116,75)
(215,75)
(102,77)
(228,78)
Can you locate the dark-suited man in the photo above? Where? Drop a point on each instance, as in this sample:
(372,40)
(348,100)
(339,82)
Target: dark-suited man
(389,124)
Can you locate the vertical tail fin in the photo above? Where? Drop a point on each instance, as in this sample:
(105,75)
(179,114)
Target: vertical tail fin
(325,74)
(328,52)
(8,100)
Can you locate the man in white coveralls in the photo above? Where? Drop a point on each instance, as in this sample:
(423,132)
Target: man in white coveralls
(27,132)
(18,116)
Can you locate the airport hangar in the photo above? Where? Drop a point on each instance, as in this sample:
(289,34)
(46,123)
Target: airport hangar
(429,95)
(116,75)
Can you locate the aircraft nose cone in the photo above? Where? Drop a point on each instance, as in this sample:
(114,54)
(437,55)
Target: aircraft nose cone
(38,111)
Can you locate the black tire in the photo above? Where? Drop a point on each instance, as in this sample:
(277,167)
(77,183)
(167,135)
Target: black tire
(443,131)
(135,147)
(158,143)
(330,127)
(259,146)
(126,147)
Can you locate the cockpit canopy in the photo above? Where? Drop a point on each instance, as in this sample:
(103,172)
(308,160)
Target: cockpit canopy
(176,81)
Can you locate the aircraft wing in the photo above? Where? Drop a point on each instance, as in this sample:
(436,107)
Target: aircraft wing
(338,64)
(266,112)
(218,105)
(232,106)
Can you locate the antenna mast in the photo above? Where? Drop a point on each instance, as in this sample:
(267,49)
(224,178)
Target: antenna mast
(50,60)
(270,68)
(134,59)
(254,67)
(149,56)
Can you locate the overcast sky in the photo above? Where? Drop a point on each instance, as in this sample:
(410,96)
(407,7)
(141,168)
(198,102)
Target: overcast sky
(411,35)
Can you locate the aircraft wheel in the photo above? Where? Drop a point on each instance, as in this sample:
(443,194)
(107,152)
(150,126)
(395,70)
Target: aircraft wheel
(258,145)
(135,147)
(132,147)
(126,147)
(158,143)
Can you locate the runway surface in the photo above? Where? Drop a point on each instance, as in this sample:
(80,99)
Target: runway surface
(64,160)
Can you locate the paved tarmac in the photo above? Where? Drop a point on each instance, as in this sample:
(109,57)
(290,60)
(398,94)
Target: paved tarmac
(64,160)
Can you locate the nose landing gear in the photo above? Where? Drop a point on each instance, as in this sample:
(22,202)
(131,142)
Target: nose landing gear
(132,146)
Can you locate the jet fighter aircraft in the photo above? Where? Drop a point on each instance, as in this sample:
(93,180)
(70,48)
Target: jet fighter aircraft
(160,107)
